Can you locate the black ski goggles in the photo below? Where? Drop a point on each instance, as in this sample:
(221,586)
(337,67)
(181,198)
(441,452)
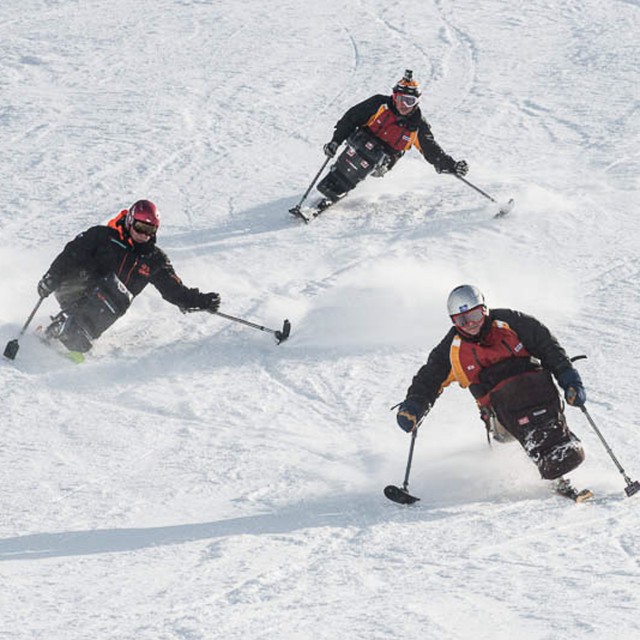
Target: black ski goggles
(145,228)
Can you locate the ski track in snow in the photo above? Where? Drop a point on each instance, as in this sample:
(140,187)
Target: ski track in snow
(192,479)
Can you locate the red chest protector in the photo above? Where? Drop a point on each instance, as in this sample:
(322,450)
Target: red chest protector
(469,359)
(385,126)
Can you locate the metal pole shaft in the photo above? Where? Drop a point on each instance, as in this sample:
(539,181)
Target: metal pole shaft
(30,318)
(306,193)
(405,484)
(245,322)
(604,442)
(473,186)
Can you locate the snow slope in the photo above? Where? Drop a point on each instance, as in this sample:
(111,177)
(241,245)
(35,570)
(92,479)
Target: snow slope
(192,480)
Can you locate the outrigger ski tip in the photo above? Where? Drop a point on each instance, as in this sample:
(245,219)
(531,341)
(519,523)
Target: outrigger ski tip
(505,209)
(632,488)
(11,350)
(297,212)
(311,212)
(281,336)
(401,496)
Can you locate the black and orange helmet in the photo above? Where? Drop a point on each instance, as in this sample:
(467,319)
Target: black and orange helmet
(407,86)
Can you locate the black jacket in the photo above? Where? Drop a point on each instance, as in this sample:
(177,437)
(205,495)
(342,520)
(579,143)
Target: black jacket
(428,383)
(103,250)
(358,116)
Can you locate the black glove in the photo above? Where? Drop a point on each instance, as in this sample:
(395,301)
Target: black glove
(408,413)
(461,168)
(330,149)
(446,164)
(571,383)
(46,286)
(209,302)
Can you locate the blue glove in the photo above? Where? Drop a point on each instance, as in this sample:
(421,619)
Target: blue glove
(408,414)
(571,384)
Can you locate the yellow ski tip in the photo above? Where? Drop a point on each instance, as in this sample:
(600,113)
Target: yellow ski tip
(76,356)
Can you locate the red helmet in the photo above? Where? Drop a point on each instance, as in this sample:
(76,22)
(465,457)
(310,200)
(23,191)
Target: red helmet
(143,211)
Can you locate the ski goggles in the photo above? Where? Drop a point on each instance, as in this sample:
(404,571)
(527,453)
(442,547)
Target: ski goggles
(471,317)
(144,228)
(407,100)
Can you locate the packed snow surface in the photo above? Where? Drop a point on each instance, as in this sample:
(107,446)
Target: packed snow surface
(193,480)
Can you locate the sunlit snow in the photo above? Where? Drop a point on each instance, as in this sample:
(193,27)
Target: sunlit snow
(192,479)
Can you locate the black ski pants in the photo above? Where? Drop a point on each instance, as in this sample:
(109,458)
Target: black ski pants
(529,407)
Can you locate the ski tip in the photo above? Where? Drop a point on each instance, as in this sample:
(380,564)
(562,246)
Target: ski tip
(11,350)
(583,496)
(505,209)
(75,356)
(398,495)
(297,213)
(565,488)
(281,336)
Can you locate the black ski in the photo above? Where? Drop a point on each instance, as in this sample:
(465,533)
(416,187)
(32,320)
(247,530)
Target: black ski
(564,488)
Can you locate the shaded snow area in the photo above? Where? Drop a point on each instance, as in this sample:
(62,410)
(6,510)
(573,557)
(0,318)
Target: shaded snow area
(193,480)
